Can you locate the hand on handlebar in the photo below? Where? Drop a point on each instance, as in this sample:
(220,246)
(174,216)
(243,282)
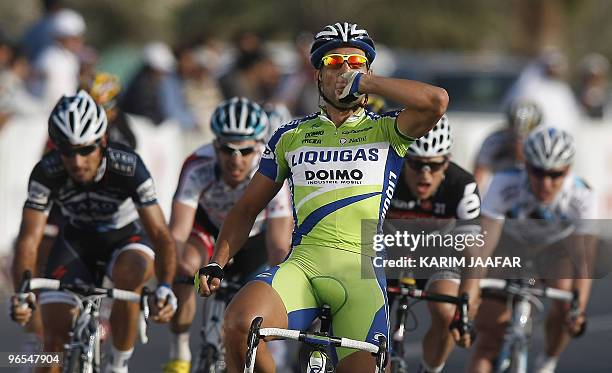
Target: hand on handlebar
(576,324)
(463,333)
(208,279)
(462,328)
(164,304)
(21,307)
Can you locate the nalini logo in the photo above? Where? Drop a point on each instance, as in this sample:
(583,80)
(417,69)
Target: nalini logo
(342,140)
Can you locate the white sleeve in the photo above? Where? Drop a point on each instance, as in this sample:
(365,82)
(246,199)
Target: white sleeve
(493,204)
(280,205)
(585,205)
(195,176)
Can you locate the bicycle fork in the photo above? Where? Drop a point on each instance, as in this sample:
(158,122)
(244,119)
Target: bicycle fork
(513,355)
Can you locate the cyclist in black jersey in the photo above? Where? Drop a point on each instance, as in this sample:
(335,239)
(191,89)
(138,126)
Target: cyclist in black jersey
(433,187)
(107,198)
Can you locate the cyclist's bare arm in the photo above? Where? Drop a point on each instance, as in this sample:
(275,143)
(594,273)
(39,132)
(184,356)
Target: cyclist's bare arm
(181,223)
(424,104)
(26,249)
(583,252)
(153,221)
(491,229)
(482,174)
(278,238)
(240,219)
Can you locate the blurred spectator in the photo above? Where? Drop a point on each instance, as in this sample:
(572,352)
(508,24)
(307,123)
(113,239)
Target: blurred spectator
(104,89)
(6,51)
(202,92)
(278,114)
(88,59)
(173,98)
(543,82)
(254,76)
(56,71)
(247,42)
(40,35)
(593,90)
(299,90)
(143,95)
(15,100)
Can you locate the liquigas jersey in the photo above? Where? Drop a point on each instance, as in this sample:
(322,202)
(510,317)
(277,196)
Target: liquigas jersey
(338,175)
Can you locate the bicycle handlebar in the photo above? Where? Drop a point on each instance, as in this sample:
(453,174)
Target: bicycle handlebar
(514,288)
(29,284)
(317,339)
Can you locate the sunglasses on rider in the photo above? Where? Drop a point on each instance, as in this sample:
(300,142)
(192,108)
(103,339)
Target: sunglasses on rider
(83,151)
(230,149)
(335,61)
(541,173)
(419,166)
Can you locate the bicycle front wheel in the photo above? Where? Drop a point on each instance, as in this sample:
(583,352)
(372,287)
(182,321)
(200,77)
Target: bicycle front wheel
(208,361)
(73,363)
(518,361)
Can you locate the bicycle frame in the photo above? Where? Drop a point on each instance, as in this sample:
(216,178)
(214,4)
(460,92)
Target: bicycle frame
(84,337)
(407,289)
(513,353)
(211,331)
(85,332)
(513,356)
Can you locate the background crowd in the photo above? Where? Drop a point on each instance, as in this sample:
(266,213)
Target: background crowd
(164,93)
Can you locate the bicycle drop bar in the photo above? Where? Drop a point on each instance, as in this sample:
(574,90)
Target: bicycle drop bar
(30,284)
(318,339)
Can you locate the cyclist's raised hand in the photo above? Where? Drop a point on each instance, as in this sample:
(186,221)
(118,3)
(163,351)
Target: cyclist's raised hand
(347,86)
(208,279)
(21,307)
(164,304)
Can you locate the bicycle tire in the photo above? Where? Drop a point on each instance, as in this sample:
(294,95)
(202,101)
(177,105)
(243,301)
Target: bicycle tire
(398,365)
(73,363)
(207,362)
(518,359)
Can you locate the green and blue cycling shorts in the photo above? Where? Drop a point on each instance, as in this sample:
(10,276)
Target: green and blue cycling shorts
(346,281)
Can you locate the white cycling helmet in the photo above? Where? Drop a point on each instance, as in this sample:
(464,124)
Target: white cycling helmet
(239,119)
(549,148)
(523,116)
(436,142)
(338,35)
(77,120)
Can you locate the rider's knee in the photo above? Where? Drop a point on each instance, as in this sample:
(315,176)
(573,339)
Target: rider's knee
(236,322)
(441,316)
(490,336)
(557,312)
(488,344)
(188,265)
(54,342)
(130,271)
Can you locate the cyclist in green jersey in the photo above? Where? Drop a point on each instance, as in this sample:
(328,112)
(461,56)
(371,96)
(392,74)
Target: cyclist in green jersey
(342,164)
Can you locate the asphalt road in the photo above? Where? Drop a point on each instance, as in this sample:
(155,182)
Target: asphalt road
(591,353)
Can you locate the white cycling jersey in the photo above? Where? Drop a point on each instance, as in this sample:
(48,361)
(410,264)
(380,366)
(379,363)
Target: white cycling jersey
(527,220)
(201,186)
(497,153)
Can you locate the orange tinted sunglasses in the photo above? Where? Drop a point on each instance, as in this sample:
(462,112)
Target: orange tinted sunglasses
(335,61)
